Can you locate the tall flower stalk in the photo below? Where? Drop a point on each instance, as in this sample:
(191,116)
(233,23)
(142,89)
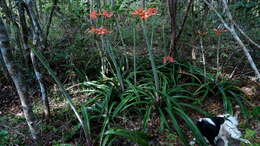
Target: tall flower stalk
(203,59)
(107,46)
(152,61)
(145,14)
(201,35)
(134,51)
(218,32)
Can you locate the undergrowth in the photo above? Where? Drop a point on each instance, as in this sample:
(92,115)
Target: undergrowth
(182,89)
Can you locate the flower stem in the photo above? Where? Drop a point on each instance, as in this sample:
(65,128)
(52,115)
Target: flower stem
(134,40)
(151,57)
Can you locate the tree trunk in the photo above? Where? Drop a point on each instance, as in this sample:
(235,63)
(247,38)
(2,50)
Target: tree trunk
(37,42)
(11,18)
(24,29)
(173,10)
(17,78)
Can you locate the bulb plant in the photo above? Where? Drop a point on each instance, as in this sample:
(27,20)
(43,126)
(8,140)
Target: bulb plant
(144,15)
(101,31)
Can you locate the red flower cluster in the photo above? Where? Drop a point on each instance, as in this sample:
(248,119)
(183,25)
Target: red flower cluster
(144,14)
(93,15)
(219,31)
(168,59)
(106,14)
(99,31)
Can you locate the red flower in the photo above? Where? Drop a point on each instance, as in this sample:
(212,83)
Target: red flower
(93,14)
(168,58)
(219,31)
(144,14)
(152,11)
(107,14)
(99,31)
(138,12)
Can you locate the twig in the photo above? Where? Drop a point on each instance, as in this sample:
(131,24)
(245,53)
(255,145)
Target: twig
(233,72)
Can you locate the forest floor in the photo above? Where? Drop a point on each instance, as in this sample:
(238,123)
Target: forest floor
(12,121)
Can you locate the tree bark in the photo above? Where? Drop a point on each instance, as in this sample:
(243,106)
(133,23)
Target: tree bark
(11,18)
(174,28)
(24,29)
(17,78)
(173,10)
(37,42)
(183,22)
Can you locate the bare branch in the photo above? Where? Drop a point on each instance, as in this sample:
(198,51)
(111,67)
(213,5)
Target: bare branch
(246,36)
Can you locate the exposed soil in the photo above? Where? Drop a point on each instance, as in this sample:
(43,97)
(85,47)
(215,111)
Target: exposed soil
(9,100)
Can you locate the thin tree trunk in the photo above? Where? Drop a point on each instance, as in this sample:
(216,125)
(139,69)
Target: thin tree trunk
(24,29)
(49,21)
(37,42)
(173,13)
(44,97)
(173,10)
(183,23)
(17,78)
(11,18)
(34,20)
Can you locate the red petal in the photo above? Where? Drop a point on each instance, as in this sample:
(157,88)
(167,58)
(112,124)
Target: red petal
(165,59)
(171,59)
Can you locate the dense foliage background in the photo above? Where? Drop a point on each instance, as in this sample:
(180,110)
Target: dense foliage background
(125,72)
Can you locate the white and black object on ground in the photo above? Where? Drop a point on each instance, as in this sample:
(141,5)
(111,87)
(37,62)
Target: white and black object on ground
(218,130)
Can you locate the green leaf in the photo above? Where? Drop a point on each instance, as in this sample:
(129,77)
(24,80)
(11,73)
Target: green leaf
(191,125)
(121,105)
(147,116)
(250,134)
(238,99)
(163,120)
(256,111)
(3,132)
(135,136)
(196,108)
(176,126)
(86,119)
